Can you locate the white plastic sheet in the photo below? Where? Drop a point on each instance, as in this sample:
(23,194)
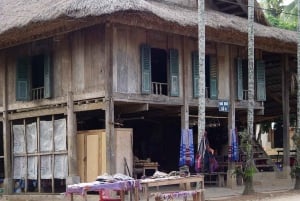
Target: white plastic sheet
(46,170)
(32,167)
(31,137)
(46,136)
(19,167)
(19,139)
(61,167)
(60,133)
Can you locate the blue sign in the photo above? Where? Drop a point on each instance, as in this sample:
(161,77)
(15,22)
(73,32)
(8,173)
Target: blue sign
(223,106)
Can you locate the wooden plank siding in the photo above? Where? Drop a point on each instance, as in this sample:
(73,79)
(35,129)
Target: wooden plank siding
(2,75)
(80,63)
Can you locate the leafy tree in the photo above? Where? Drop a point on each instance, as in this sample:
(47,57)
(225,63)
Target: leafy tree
(279,15)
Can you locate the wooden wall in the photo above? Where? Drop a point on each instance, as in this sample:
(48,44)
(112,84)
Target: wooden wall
(79,62)
(223,62)
(126,59)
(78,65)
(2,74)
(126,55)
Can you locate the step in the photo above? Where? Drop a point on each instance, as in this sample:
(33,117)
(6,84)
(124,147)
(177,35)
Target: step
(265,168)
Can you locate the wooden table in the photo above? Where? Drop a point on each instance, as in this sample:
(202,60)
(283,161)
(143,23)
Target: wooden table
(145,166)
(146,183)
(120,186)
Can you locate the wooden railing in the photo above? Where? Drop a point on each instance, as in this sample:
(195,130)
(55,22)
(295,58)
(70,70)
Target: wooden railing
(245,94)
(159,88)
(38,93)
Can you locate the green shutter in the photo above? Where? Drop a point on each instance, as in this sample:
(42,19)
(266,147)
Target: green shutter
(22,79)
(239,73)
(260,81)
(195,68)
(146,68)
(174,72)
(47,76)
(213,77)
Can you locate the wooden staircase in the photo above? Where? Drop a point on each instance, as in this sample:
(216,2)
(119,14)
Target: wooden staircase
(262,160)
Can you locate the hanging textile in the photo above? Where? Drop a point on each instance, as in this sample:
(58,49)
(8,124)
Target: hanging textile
(234,146)
(186,148)
(200,154)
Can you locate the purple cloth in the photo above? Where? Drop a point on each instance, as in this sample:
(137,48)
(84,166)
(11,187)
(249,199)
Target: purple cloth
(172,195)
(82,188)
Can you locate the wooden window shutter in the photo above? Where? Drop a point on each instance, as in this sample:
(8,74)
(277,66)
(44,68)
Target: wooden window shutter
(239,83)
(213,77)
(146,68)
(260,81)
(174,72)
(195,68)
(22,79)
(47,77)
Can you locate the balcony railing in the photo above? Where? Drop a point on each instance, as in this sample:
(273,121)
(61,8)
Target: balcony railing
(159,88)
(245,94)
(38,93)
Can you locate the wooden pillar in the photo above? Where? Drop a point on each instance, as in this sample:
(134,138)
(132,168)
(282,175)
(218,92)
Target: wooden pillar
(185,88)
(109,107)
(231,179)
(72,141)
(286,111)
(8,182)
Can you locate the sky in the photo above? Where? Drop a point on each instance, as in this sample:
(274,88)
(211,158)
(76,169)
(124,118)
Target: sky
(285,2)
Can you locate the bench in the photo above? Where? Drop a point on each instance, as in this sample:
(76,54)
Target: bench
(217,178)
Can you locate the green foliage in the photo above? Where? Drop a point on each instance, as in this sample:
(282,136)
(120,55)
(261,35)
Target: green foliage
(295,171)
(280,16)
(249,169)
(247,173)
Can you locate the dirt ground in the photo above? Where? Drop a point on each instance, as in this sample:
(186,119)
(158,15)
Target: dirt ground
(291,195)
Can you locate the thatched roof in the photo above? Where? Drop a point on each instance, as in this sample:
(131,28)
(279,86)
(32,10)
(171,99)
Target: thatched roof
(20,18)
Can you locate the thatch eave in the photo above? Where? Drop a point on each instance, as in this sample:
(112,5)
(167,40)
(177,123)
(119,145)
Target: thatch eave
(150,15)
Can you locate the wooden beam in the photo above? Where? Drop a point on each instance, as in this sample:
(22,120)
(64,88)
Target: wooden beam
(8,184)
(227,8)
(109,108)
(184,71)
(286,110)
(89,106)
(37,113)
(71,134)
(132,108)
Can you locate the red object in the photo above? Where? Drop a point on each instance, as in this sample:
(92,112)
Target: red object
(104,195)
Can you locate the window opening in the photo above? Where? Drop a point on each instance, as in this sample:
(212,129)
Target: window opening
(207,77)
(159,71)
(245,79)
(40,155)
(37,71)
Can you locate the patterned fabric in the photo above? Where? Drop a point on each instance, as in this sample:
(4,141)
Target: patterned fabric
(234,146)
(200,154)
(173,195)
(186,148)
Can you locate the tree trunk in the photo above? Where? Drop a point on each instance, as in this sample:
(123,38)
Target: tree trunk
(248,186)
(250,113)
(201,81)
